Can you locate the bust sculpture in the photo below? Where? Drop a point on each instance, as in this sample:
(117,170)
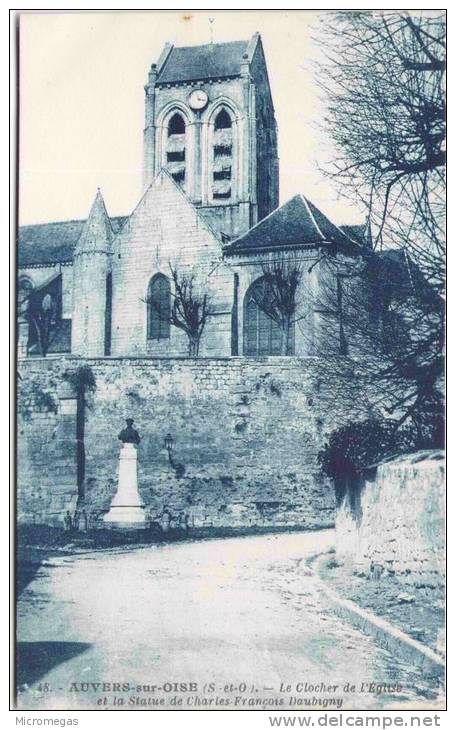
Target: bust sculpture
(127,507)
(129,435)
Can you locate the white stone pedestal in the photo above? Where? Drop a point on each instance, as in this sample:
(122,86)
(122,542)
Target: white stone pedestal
(127,508)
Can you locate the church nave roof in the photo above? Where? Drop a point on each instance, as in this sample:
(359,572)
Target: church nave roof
(296,223)
(51,243)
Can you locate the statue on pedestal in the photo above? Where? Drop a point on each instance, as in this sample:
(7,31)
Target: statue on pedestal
(129,435)
(127,508)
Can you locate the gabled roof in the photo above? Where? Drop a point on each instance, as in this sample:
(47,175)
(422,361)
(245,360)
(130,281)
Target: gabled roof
(193,63)
(296,223)
(51,243)
(164,181)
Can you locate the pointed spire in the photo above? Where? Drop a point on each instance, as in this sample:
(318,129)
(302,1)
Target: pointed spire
(367,233)
(97,233)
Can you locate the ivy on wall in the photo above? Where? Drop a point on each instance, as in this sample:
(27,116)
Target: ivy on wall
(82,382)
(31,395)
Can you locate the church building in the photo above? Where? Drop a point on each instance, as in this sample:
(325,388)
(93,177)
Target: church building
(209,213)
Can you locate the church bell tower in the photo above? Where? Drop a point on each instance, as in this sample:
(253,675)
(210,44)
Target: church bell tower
(209,120)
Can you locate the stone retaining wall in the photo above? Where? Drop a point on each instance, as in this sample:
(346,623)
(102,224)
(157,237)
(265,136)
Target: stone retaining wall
(246,437)
(396,525)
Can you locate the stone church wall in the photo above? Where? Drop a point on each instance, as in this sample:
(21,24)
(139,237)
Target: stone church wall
(250,269)
(246,436)
(166,229)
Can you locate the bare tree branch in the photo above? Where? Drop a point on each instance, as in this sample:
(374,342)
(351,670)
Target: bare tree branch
(276,293)
(385,111)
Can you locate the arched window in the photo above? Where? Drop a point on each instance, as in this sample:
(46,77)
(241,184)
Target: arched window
(176,125)
(24,293)
(175,148)
(222,120)
(262,334)
(158,308)
(222,160)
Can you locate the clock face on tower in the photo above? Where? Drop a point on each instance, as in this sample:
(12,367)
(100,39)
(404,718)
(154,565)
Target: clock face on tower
(198,99)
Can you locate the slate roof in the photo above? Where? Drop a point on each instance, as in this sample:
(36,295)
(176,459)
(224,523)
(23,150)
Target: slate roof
(397,269)
(193,63)
(355,232)
(51,243)
(296,223)
(97,232)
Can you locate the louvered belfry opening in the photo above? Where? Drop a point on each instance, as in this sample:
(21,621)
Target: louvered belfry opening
(262,334)
(159,308)
(175,148)
(222,157)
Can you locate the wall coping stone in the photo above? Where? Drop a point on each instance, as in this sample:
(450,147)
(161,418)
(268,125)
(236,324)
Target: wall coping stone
(270,361)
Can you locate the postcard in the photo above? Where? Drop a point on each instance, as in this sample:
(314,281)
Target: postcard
(230,474)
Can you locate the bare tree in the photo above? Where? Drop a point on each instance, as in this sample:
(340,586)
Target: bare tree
(380,314)
(190,308)
(385,111)
(41,315)
(43,320)
(276,293)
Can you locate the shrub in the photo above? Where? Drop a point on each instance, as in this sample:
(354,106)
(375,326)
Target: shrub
(44,401)
(30,393)
(82,379)
(355,446)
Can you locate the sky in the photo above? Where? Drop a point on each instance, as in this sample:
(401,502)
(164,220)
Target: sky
(81,117)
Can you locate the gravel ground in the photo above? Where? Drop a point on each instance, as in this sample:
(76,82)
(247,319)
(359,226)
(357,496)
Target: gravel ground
(240,618)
